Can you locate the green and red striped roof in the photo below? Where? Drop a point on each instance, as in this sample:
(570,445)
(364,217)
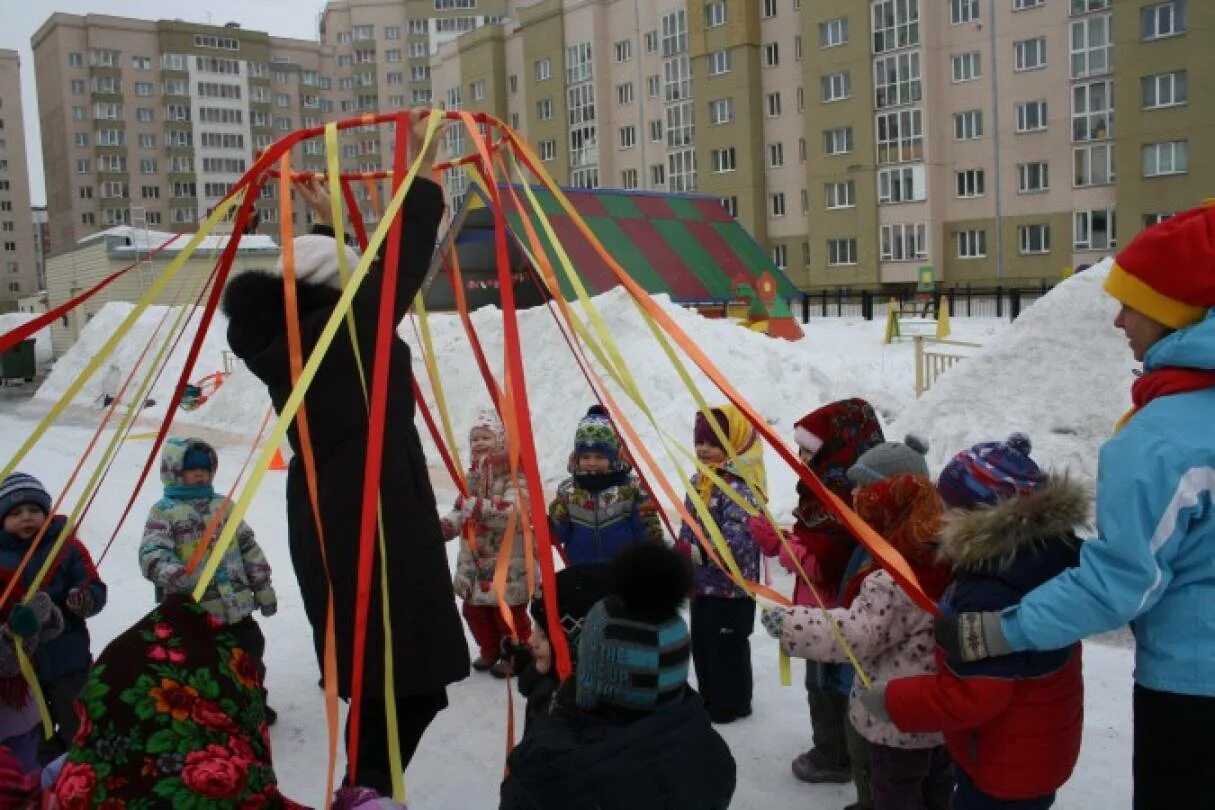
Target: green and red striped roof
(685,245)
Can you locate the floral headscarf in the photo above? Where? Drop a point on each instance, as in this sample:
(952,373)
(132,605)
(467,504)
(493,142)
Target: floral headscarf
(846,428)
(172,715)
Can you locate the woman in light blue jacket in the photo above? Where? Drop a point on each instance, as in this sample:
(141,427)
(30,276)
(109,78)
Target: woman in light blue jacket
(1153,561)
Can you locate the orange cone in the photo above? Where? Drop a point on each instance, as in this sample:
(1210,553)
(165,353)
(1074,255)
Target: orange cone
(278,462)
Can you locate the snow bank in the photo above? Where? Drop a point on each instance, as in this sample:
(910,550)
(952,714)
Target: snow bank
(1061,373)
(779,379)
(146,329)
(43,351)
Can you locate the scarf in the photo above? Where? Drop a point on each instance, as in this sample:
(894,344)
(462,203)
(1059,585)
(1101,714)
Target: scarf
(1163,382)
(181,492)
(848,429)
(748,463)
(598,482)
(907,511)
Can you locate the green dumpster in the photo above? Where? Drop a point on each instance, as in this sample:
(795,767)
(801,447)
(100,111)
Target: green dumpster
(19,362)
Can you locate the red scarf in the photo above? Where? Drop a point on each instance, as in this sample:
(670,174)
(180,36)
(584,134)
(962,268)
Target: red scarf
(1163,382)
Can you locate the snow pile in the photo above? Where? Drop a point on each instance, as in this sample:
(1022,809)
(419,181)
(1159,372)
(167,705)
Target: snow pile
(778,378)
(43,351)
(1061,373)
(147,329)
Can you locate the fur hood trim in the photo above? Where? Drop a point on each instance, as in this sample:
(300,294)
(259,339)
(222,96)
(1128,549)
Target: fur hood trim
(316,260)
(988,538)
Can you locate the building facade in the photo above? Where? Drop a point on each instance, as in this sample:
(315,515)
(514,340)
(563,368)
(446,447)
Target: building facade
(18,253)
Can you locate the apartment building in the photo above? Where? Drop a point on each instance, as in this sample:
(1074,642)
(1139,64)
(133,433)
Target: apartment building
(18,254)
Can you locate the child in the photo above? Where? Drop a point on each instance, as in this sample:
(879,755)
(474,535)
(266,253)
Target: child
(176,525)
(29,625)
(602,507)
(72,585)
(492,497)
(723,614)
(890,635)
(626,731)
(1012,723)
(579,587)
(829,439)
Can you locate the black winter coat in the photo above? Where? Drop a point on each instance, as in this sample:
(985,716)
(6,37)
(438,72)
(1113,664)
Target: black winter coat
(671,759)
(429,650)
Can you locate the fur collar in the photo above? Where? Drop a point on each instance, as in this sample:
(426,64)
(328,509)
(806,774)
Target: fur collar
(990,537)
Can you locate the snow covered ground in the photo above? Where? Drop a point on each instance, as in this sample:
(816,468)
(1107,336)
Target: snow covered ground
(1060,373)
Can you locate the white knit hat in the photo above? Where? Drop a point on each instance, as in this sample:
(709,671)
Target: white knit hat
(316,260)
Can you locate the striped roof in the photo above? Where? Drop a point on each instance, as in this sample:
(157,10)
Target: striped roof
(685,245)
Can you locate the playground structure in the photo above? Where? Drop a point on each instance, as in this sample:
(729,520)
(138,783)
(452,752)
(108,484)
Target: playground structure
(506,167)
(200,391)
(931,362)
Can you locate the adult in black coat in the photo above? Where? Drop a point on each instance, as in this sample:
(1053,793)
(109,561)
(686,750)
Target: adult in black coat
(428,647)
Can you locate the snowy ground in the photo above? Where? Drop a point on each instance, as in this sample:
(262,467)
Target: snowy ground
(459,764)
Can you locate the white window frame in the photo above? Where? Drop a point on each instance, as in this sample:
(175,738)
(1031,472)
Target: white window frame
(772,107)
(780,255)
(723,160)
(1173,14)
(970,183)
(833,33)
(627,136)
(837,141)
(1088,156)
(1039,116)
(771,54)
(1178,158)
(719,63)
(903,30)
(1084,234)
(841,252)
(971,244)
(968,125)
(776,204)
(841,195)
(903,242)
(548,150)
(716,14)
(902,184)
(624,93)
(721,111)
(896,80)
(900,135)
(1033,239)
(1093,111)
(543,69)
(1029,54)
(776,155)
(1033,177)
(836,86)
(769,9)
(544,109)
(963,11)
(1177,84)
(623,50)
(1089,58)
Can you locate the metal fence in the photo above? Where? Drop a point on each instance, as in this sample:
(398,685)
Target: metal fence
(964,302)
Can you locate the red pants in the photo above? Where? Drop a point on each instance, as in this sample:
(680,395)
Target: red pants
(489,628)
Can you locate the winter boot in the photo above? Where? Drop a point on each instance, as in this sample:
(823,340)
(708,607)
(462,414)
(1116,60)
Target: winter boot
(811,767)
(482,664)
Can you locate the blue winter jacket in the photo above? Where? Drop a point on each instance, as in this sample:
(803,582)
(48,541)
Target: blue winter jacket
(69,652)
(1153,560)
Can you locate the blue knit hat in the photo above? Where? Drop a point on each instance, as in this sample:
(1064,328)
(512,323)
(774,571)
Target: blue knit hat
(634,648)
(197,458)
(595,434)
(990,472)
(19,489)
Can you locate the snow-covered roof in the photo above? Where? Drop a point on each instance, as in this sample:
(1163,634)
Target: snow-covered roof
(128,239)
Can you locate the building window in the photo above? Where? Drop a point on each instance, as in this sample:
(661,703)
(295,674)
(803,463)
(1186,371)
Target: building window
(1091,46)
(624,93)
(75,59)
(1094,230)
(777,202)
(836,86)
(544,69)
(1031,116)
(833,32)
(730,204)
(841,252)
(147,166)
(771,54)
(721,111)
(723,160)
(656,130)
(968,125)
(837,141)
(780,256)
(1163,20)
(1093,165)
(715,14)
(548,150)
(1170,157)
(896,80)
(719,63)
(963,11)
(1093,111)
(624,50)
(1165,90)
(143,115)
(682,170)
(79,113)
(1029,54)
(900,136)
(544,109)
(797,47)
(903,184)
(1033,239)
(653,85)
(143,88)
(651,41)
(971,244)
(970,183)
(841,195)
(658,174)
(392,32)
(773,104)
(1033,177)
(1154,219)
(903,243)
(966,66)
(776,155)
(896,24)
(628,179)
(1023,5)
(77,86)
(628,137)
(82,139)
(769,9)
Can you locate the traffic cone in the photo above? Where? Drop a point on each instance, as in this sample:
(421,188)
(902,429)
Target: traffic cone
(278,462)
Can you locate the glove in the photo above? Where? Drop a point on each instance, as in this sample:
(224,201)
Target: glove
(764,535)
(80,602)
(874,701)
(971,636)
(267,602)
(449,530)
(773,620)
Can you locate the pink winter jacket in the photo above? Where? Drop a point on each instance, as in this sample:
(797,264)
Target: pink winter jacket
(891,637)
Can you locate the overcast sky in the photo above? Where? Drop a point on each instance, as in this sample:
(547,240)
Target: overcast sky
(19,19)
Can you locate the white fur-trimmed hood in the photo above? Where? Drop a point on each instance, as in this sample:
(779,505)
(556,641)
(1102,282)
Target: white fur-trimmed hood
(316,260)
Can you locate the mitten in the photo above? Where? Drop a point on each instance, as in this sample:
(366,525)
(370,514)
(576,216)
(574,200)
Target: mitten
(449,529)
(874,701)
(80,602)
(267,602)
(773,620)
(971,636)
(764,535)
(23,622)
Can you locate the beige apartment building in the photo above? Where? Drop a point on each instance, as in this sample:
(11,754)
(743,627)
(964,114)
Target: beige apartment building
(18,252)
